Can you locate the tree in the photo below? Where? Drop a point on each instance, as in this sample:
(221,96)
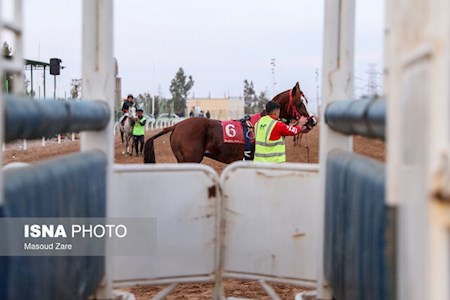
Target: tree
(262,100)
(158,106)
(179,88)
(6,50)
(75,90)
(144,101)
(27,85)
(249,96)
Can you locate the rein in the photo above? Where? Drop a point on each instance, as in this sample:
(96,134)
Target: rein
(295,113)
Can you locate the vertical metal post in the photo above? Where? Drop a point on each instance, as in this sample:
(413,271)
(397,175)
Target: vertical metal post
(44,83)
(337,84)
(98,83)
(31,81)
(418,151)
(54,86)
(18,42)
(2,120)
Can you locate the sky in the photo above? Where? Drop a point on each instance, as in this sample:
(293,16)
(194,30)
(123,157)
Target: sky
(219,43)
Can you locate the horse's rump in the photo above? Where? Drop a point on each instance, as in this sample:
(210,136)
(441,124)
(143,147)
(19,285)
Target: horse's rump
(233,131)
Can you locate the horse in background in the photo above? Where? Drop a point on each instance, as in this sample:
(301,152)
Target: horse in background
(194,138)
(126,131)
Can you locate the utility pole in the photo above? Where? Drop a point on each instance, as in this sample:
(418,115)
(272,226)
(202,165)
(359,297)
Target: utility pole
(272,63)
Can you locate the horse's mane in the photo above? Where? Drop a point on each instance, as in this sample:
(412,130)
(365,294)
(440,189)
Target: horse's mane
(279,95)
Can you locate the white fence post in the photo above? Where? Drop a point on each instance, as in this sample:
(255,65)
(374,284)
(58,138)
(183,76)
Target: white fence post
(43,141)
(15,66)
(337,84)
(419,56)
(98,83)
(2,119)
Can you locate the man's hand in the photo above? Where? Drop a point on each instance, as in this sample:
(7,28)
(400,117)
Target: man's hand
(293,123)
(303,124)
(302,121)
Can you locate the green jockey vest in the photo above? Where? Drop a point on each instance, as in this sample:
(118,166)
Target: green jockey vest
(138,129)
(265,149)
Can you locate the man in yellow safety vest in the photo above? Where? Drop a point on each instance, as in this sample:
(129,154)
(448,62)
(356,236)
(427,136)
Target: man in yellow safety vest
(270,133)
(139,131)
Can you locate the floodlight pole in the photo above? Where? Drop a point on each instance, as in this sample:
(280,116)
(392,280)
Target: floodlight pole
(44,83)
(54,86)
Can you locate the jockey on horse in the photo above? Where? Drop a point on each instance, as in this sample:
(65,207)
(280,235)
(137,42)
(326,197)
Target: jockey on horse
(126,107)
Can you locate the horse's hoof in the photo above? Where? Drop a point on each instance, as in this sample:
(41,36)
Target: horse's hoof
(123,152)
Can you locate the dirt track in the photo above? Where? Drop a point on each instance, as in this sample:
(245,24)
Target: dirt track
(233,288)
(163,152)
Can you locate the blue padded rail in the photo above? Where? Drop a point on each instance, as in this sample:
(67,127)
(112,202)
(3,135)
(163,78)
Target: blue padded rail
(27,118)
(73,186)
(359,229)
(366,117)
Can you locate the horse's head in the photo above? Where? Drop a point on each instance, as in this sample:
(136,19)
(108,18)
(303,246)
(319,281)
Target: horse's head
(132,111)
(294,105)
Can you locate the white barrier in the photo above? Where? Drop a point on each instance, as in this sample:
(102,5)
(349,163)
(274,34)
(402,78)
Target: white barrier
(268,212)
(270,216)
(185,201)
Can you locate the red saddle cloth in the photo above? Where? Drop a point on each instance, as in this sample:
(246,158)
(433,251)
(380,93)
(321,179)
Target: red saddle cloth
(234,133)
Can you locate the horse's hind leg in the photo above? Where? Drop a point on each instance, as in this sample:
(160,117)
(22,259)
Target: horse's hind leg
(188,156)
(128,145)
(123,142)
(187,151)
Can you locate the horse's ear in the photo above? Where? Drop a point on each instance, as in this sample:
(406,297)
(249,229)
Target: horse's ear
(295,89)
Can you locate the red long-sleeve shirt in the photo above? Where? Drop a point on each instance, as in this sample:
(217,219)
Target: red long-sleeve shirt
(280,129)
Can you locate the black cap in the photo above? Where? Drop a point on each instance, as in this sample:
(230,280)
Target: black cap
(271,106)
(140,109)
(130,96)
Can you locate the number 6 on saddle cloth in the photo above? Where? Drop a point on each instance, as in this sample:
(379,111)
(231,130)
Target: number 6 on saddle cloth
(241,132)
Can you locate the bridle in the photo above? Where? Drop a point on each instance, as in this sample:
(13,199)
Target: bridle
(312,121)
(291,106)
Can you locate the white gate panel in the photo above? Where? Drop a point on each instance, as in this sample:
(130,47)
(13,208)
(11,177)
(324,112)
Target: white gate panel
(271,221)
(184,199)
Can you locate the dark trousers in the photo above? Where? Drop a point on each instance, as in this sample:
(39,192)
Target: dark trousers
(138,139)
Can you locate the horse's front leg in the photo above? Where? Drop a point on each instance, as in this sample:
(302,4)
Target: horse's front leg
(132,146)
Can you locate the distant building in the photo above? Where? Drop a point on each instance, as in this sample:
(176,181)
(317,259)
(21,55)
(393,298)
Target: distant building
(219,108)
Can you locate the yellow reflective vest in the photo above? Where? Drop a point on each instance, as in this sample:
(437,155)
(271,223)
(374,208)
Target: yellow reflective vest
(265,149)
(138,128)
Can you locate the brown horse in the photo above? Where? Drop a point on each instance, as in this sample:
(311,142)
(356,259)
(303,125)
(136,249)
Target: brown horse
(194,138)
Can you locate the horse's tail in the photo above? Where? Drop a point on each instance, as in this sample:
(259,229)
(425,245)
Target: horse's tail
(149,150)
